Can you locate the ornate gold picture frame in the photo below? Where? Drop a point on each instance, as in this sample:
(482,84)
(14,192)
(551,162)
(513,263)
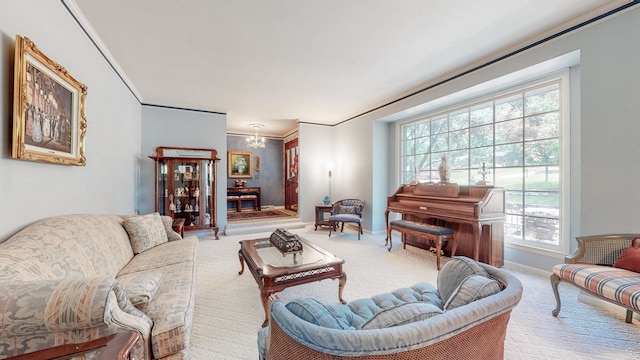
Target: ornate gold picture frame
(239,165)
(49,123)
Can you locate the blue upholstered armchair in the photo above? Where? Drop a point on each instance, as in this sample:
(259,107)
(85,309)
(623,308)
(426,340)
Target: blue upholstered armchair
(346,210)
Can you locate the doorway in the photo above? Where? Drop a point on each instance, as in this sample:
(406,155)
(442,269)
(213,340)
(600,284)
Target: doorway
(291,175)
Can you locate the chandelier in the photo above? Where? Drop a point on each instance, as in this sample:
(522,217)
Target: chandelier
(256,141)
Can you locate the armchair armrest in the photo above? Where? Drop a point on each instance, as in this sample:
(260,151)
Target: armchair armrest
(66,304)
(600,249)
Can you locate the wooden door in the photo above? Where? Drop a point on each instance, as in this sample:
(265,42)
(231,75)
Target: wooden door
(291,175)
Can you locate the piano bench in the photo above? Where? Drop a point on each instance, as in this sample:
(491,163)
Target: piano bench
(437,234)
(253,198)
(237,201)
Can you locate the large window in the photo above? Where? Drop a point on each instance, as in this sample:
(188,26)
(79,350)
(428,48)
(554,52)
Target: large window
(516,137)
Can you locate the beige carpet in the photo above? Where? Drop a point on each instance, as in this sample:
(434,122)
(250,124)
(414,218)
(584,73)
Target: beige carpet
(228,312)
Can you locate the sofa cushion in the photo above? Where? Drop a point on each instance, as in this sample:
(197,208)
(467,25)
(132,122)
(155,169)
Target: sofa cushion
(629,260)
(402,314)
(169,253)
(313,311)
(454,271)
(145,232)
(474,287)
(364,312)
(141,287)
(41,251)
(172,310)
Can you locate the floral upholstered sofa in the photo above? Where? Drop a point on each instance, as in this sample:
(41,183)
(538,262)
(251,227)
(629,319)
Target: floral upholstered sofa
(73,278)
(465,317)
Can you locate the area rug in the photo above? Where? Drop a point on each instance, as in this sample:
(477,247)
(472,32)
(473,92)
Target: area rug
(228,311)
(264,214)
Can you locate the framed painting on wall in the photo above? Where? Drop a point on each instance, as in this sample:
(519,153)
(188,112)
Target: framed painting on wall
(239,165)
(49,123)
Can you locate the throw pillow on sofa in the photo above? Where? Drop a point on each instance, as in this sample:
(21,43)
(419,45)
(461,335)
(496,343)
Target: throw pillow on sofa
(454,271)
(630,258)
(474,287)
(140,287)
(145,231)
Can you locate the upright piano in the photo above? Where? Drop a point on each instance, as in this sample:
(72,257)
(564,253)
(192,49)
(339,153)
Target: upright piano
(475,212)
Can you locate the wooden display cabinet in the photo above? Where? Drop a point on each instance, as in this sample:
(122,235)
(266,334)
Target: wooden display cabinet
(186,185)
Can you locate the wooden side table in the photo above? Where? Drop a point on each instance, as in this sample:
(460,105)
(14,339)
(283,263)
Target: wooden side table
(322,216)
(113,347)
(178,226)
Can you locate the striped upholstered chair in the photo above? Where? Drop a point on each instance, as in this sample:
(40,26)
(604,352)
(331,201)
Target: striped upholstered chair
(346,210)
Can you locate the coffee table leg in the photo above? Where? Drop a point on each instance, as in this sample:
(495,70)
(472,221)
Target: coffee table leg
(343,282)
(241,262)
(264,296)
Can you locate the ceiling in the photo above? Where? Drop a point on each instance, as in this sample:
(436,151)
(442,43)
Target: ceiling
(278,62)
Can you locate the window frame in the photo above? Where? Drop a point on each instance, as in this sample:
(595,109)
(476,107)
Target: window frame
(562,78)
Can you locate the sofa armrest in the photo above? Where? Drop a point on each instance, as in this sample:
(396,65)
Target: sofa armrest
(66,304)
(600,249)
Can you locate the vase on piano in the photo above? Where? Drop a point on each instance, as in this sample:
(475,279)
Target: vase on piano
(444,169)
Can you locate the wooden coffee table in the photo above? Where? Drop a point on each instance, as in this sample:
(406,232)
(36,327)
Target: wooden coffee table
(274,271)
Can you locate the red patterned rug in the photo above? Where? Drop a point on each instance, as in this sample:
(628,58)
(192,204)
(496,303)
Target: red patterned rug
(264,214)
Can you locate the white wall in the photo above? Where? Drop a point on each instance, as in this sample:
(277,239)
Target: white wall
(603,137)
(606,135)
(354,165)
(381,155)
(358,150)
(316,150)
(31,190)
(182,128)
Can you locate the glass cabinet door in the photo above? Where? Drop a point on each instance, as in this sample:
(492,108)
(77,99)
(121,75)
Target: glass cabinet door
(163,194)
(186,203)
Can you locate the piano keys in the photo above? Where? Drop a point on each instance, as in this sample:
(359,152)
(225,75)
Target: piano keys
(476,213)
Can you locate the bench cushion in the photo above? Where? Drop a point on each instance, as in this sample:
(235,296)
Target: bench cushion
(425,228)
(615,284)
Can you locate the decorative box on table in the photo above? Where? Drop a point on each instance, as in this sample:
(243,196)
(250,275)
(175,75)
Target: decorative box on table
(286,242)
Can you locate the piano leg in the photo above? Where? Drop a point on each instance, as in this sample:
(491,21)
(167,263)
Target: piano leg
(477,232)
(388,240)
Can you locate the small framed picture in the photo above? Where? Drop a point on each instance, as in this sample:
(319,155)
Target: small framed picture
(239,165)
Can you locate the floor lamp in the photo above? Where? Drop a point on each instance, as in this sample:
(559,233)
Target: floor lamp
(327,199)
